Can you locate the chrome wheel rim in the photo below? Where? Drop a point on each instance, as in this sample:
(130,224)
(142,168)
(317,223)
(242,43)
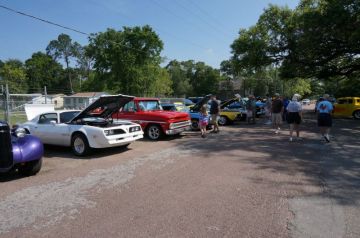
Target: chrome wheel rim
(154,132)
(357,114)
(222,121)
(79,145)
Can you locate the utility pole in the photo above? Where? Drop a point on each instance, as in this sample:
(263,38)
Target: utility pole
(7,101)
(45,93)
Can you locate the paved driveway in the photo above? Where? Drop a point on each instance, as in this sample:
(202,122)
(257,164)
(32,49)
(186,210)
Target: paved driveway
(243,182)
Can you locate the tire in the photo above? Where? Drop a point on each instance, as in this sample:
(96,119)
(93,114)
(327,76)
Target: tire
(195,124)
(356,115)
(80,145)
(223,120)
(154,132)
(30,168)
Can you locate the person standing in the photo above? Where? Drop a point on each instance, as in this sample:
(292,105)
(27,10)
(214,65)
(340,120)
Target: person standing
(203,120)
(277,109)
(251,109)
(324,109)
(214,113)
(294,115)
(286,102)
(268,109)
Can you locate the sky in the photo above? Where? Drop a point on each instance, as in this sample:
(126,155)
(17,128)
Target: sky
(200,30)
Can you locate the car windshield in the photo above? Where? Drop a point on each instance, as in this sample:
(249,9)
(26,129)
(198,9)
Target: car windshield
(67,116)
(149,105)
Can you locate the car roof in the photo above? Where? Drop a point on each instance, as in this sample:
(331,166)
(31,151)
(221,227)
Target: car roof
(145,99)
(59,111)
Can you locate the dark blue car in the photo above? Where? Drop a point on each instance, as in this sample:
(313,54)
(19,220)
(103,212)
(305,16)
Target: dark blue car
(19,151)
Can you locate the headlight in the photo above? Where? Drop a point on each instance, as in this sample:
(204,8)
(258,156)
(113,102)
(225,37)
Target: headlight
(134,128)
(171,126)
(20,132)
(109,132)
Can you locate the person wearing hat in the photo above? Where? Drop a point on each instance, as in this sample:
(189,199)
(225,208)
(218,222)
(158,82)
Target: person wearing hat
(277,108)
(294,115)
(324,109)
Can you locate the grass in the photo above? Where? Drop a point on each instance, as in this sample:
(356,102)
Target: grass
(15,118)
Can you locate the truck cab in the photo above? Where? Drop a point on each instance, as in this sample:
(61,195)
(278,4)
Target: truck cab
(154,121)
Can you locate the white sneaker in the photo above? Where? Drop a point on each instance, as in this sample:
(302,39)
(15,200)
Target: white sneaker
(276,131)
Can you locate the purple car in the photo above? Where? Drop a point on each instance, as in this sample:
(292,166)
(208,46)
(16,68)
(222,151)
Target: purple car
(19,151)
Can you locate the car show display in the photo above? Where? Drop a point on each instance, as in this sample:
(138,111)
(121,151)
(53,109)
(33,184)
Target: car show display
(347,107)
(83,130)
(19,151)
(153,119)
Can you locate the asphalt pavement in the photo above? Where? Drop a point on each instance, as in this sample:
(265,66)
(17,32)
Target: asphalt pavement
(245,181)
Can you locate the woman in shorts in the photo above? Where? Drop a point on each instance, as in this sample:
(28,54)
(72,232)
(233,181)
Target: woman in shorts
(203,120)
(294,115)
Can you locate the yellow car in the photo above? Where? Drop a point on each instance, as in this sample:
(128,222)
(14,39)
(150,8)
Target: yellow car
(347,107)
(232,110)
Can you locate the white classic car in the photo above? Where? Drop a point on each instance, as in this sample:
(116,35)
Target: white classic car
(83,130)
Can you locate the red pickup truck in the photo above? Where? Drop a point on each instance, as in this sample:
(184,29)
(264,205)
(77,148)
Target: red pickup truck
(154,121)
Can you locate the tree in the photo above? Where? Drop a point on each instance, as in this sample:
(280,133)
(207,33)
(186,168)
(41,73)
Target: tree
(180,82)
(193,78)
(42,70)
(127,61)
(320,38)
(13,74)
(64,48)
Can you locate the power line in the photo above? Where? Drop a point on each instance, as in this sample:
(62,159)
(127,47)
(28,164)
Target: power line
(43,20)
(217,29)
(207,13)
(169,11)
(84,33)
(65,27)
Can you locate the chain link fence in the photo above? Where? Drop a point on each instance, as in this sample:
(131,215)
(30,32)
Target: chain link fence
(12,106)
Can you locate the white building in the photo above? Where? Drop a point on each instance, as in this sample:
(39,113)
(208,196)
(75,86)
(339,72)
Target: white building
(81,100)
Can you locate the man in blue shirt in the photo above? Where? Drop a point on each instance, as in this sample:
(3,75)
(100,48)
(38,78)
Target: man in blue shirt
(324,110)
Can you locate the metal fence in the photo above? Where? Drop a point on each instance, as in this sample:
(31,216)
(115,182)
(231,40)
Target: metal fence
(12,106)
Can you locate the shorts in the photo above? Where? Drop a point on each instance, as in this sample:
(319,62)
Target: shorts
(203,123)
(293,118)
(324,120)
(276,118)
(214,119)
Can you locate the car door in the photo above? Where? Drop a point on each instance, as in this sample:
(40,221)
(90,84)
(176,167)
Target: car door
(128,112)
(44,127)
(341,107)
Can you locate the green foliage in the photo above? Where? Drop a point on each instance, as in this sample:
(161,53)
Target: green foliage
(193,78)
(13,73)
(64,48)
(299,86)
(128,61)
(320,38)
(42,70)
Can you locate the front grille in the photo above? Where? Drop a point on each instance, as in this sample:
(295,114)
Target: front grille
(180,124)
(6,155)
(119,131)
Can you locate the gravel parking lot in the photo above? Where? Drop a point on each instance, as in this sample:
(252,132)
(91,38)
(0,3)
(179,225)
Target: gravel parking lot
(243,182)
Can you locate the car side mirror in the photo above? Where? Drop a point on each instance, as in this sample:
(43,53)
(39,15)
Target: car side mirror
(52,122)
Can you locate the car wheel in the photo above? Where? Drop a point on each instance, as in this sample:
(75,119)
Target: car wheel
(356,115)
(195,124)
(80,145)
(154,132)
(30,168)
(223,120)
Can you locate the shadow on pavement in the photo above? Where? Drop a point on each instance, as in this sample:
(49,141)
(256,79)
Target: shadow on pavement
(334,166)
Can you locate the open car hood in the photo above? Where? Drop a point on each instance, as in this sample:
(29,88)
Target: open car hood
(104,107)
(203,101)
(228,102)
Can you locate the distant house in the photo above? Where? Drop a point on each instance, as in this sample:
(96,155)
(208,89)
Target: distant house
(57,100)
(41,100)
(81,100)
